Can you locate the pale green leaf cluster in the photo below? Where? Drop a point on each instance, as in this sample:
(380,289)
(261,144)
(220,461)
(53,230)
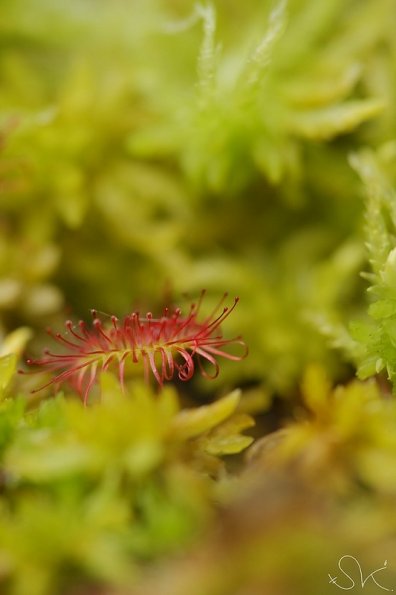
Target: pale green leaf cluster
(254,100)
(320,487)
(102,489)
(346,434)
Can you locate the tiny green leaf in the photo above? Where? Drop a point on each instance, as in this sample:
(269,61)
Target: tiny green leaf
(7,370)
(192,422)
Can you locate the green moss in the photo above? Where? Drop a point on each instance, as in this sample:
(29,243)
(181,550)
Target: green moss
(152,149)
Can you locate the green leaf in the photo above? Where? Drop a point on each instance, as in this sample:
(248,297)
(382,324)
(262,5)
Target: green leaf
(382,309)
(227,438)
(228,445)
(193,422)
(7,370)
(16,341)
(316,388)
(331,121)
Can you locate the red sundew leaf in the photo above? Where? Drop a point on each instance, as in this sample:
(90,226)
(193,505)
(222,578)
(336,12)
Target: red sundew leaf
(165,346)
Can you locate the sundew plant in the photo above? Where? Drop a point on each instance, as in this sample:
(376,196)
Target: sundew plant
(158,438)
(166,346)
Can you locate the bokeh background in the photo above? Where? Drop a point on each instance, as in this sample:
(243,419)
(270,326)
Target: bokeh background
(153,149)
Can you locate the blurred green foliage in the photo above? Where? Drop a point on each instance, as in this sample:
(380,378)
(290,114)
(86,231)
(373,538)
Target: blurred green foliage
(90,489)
(151,149)
(205,145)
(374,347)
